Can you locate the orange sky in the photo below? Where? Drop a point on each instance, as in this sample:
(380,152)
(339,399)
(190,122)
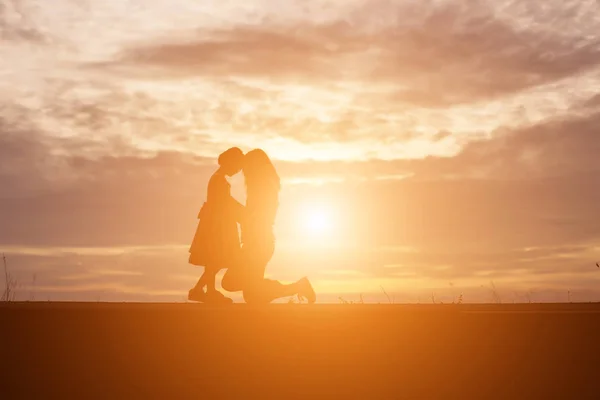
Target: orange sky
(448,144)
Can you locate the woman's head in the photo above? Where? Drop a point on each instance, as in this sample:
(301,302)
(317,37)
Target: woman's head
(231,161)
(259,171)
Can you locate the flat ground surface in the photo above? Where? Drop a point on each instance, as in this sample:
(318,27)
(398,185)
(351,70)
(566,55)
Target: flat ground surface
(180,351)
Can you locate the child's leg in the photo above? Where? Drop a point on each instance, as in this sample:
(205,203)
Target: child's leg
(197,292)
(201,282)
(210,276)
(212,294)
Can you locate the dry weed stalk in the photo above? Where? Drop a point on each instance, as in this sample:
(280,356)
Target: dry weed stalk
(10,283)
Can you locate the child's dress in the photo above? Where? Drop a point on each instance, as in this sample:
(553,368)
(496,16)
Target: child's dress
(217,243)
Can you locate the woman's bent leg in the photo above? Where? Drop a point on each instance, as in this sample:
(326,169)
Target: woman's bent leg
(259,290)
(266,290)
(256,255)
(233,280)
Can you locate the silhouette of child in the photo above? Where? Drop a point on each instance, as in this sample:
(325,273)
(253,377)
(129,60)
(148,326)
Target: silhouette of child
(216,244)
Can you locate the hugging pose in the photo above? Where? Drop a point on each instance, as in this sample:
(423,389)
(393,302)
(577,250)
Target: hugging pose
(217,244)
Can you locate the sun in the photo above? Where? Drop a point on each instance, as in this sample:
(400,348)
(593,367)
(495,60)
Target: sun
(316,220)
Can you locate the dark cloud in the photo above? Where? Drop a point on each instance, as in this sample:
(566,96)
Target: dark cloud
(593,102)
(559,147)
(25,161)
(554,148)
(109,112)
(292,52)
(114,201)
(441,135)
(465,53)
(51,193)
(15,24)
(455,54)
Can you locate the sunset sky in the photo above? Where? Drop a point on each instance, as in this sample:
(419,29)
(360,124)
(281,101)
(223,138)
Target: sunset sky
(424,146)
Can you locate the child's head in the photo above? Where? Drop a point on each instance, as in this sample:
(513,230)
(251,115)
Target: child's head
(231,161)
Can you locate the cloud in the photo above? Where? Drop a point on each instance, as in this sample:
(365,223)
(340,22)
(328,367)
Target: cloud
(541,178)
(379,79)
(16,24)
(593,102)
(123,201)
(106,274)
(27,164)
(162,273)
(554,148)
(450,55)
(557,147)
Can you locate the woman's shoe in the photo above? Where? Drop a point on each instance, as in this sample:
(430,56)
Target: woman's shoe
(306,290)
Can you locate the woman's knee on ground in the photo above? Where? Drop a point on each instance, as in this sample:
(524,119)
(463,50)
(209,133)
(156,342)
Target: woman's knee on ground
(254,295)
(232,282)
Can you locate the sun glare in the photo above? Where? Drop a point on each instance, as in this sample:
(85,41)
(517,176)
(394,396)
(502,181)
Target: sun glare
(317,221)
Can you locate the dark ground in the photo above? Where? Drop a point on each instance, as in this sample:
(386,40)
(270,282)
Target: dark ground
(180,351)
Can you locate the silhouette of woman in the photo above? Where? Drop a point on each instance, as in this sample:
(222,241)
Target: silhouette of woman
(216,244)
(258,240)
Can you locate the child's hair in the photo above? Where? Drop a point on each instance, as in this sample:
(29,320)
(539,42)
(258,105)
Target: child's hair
(230,156)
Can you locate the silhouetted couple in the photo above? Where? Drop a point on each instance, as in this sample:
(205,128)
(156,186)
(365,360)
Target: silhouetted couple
(216,244)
